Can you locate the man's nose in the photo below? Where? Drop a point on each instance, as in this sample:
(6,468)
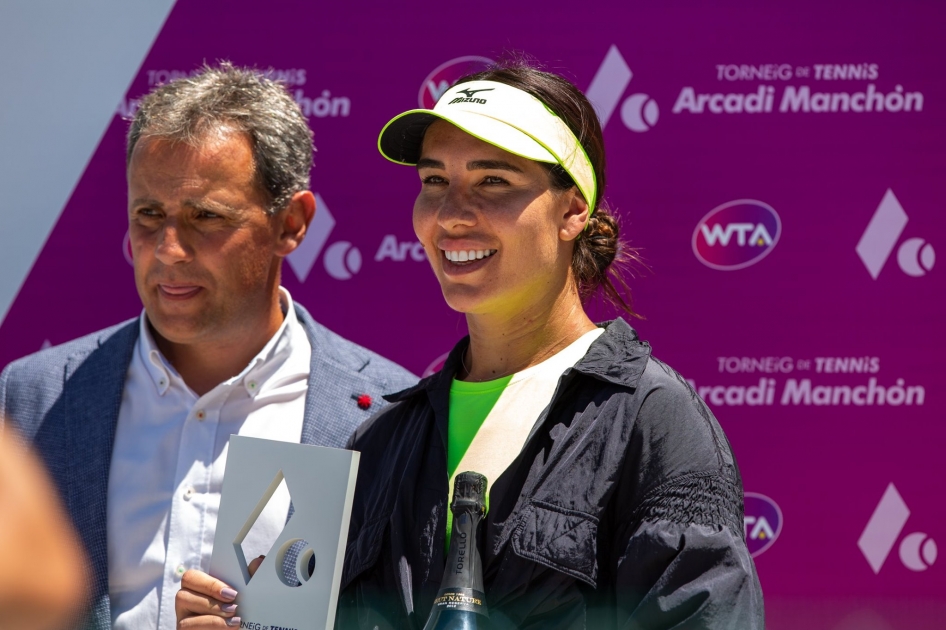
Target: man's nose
(172,246)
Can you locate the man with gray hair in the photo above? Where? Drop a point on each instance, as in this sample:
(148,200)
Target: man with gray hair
(134,421)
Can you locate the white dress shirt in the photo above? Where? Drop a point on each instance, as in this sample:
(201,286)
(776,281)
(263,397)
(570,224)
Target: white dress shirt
(168,462)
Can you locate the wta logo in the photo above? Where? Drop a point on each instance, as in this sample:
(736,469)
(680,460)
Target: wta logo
(763,522)
(737,234)
(446,74)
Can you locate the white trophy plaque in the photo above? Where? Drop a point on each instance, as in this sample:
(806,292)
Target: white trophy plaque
(282,594)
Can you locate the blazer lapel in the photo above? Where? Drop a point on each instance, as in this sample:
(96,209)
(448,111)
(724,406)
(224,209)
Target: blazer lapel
(328,421)
(92,397)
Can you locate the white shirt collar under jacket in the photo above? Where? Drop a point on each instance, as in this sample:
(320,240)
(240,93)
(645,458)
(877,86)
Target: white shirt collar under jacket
(168,462)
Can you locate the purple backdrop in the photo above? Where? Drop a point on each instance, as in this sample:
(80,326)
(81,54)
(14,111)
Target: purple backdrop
(781,170)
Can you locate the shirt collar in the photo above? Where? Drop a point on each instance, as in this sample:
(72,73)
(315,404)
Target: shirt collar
(617,356)
(252,378)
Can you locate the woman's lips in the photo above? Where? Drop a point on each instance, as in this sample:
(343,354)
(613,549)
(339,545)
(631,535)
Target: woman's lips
(463,263)
(463,256)
(178,292)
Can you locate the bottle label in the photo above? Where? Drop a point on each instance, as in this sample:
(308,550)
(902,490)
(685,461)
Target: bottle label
(461,599)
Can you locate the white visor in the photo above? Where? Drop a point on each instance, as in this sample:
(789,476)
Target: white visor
(501,115)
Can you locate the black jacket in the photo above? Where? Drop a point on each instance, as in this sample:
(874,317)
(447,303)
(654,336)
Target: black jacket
(624,508)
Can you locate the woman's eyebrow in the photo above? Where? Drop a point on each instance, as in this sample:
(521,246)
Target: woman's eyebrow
(492,165)
(472,166)
(428,163)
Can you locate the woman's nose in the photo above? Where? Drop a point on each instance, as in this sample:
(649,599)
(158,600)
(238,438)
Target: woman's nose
(456,209)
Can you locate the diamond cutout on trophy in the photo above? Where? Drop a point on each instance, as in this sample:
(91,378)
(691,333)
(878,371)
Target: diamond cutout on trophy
(253,539)
(296,585)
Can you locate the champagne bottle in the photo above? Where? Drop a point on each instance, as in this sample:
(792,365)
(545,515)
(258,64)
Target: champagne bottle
(461,603)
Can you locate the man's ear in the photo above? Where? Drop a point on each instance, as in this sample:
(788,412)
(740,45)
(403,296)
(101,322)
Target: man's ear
(575,217)
(294,222)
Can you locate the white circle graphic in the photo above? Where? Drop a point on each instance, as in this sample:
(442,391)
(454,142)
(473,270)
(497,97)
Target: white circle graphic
(918,551)
(342,260)
(639,112)
(916,257)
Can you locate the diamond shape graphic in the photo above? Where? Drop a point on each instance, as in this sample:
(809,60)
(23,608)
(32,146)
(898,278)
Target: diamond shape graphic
(609,84)
(883,528)
(239,543)
(304,257)
(882,234)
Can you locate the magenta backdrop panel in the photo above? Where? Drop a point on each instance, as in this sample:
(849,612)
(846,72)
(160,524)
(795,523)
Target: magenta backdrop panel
(781,169)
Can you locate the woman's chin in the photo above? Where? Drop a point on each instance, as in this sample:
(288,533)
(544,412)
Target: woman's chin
(465,299)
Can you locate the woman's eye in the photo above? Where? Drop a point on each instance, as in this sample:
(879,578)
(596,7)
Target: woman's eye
(494,179)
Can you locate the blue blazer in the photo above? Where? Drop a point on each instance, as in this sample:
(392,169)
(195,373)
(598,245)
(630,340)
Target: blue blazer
(65,402)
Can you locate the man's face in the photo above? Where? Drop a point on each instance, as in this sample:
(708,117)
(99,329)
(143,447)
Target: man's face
(204,248)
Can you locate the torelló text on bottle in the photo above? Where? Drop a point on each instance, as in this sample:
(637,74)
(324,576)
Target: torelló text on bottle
(461,603)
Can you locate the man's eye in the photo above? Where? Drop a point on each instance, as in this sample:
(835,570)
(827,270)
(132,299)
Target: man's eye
(433,180)
(206,214)
(146,213)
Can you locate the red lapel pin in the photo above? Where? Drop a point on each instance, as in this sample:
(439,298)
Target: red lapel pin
(364,400)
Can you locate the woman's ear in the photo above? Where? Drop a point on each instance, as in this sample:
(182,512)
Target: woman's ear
(575,216)
(295,221)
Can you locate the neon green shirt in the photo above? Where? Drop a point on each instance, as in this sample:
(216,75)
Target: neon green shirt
(488,423)
(470,403)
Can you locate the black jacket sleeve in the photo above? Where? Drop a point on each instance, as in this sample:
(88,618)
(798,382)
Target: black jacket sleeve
(679,554)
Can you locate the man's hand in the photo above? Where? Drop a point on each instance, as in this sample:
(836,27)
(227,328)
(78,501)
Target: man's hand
(206,602)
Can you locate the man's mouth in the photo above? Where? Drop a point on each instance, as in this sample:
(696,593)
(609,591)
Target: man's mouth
(468,256)
(178,291)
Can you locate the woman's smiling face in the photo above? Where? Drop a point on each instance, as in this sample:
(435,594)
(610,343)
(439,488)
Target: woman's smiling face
(497,235)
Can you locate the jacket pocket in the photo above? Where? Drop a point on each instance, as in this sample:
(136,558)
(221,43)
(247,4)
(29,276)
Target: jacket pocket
(561,539)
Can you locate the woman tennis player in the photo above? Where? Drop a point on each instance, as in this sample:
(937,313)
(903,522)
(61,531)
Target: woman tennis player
(614,501)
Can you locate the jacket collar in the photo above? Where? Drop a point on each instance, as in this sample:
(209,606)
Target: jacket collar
(316,429)
(618,356)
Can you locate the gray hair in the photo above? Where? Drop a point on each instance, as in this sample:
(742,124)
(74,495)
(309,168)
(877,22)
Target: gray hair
(241,99)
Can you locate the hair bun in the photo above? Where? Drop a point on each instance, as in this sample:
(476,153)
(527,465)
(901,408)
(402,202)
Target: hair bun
(596,251)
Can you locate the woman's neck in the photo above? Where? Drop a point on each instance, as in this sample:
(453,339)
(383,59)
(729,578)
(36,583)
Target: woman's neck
(503,344)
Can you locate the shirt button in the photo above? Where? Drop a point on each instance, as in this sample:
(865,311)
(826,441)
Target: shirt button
(252,384)
(180,570)
(201,414)
(162,382)
(188,494)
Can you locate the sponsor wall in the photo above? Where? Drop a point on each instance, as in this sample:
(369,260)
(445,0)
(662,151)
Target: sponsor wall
(780,169)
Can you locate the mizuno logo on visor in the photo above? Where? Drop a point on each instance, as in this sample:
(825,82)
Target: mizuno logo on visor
(469,96)
(470,93)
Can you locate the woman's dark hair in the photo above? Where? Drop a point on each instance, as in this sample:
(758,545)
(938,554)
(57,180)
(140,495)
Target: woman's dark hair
(599,252)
